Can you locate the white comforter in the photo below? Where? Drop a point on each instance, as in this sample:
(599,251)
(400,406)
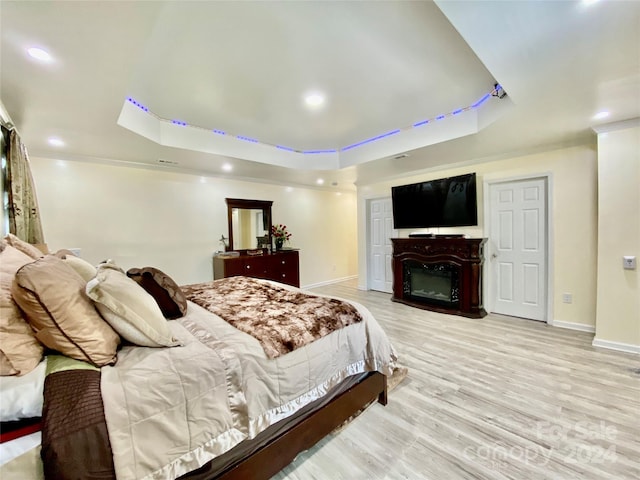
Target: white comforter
(170,410)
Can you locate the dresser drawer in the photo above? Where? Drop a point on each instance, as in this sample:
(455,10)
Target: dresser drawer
(286,268)
(283,267)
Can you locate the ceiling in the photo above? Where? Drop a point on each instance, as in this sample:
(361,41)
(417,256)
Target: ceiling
(244,68)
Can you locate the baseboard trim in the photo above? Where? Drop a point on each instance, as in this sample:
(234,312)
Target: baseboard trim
(619,346)
(574,326)
(328,282)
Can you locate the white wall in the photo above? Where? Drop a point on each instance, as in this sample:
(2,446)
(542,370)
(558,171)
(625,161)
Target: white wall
(173,221)
(574,211)
(618,313)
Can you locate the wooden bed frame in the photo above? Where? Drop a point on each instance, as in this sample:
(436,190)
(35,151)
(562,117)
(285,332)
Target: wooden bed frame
(307,431)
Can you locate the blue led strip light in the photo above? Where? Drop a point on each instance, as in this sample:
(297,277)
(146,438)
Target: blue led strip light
(369,140)
(311,152)
(282,147)
(481,101)
(140,106)
(460,110)
(247,139)
(344,149)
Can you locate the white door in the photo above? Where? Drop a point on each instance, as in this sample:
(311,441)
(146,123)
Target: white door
(381,231)
(518,247)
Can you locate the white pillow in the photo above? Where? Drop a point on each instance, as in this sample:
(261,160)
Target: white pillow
(128,308)
(82,267)
(22,397)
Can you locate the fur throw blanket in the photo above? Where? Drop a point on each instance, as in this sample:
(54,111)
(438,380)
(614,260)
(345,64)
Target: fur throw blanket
(280,319)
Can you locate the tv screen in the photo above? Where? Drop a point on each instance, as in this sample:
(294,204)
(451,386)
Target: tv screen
(445,202)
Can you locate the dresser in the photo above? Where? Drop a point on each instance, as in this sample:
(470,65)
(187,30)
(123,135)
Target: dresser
(281,266)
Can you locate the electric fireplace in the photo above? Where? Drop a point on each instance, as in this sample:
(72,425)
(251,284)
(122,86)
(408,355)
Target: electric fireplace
(439,273)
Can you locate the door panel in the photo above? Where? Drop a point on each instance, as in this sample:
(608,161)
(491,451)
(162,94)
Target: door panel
(505,279)
(506,231)
(381,231)
(518,237)
(530,276)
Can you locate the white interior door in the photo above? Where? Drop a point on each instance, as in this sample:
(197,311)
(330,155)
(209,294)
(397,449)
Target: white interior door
(518,239)
(380,248)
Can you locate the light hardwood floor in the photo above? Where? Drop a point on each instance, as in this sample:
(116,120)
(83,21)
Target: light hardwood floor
(495,398)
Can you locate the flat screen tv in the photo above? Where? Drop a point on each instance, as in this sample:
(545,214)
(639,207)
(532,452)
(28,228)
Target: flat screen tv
(445,202)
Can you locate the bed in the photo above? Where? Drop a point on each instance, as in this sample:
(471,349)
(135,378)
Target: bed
(218,403)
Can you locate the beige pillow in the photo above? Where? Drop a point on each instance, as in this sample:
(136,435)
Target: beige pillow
(128,308)
(31,250)
(6,368)
(20,351)
(52,296)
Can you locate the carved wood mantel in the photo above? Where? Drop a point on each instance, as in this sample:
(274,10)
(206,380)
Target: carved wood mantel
(462,255)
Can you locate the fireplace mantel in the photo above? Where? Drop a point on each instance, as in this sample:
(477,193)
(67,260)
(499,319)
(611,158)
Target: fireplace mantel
(463,256)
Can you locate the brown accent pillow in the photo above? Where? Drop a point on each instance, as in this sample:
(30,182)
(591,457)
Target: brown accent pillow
(52,296)
(163,289)
(31,250)
(20,351)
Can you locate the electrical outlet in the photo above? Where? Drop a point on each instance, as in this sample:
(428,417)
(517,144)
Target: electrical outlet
(567,298)
(629,262)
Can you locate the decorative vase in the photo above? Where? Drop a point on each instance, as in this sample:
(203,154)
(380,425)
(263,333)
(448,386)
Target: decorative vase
(279,243)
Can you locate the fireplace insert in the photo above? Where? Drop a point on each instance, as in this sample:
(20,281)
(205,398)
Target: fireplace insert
(431,283)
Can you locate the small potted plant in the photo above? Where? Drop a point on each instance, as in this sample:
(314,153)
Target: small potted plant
(281,235)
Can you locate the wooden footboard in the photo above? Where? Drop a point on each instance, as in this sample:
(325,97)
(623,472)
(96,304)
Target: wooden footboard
(282,450)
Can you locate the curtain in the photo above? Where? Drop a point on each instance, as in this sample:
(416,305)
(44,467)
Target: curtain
(24,215)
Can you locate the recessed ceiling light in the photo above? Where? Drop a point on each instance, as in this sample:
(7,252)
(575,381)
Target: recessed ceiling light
(601,115)
(39,54)
(56,142)
(314,100)
(227,167)
(320,181)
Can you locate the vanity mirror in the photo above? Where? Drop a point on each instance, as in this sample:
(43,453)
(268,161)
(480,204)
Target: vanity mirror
(249,223)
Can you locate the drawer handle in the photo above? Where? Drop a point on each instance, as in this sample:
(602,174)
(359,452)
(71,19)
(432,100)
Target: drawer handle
(284,275)
(283,262)
(248,267)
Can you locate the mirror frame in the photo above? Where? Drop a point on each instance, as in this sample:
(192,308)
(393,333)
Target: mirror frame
(264,205)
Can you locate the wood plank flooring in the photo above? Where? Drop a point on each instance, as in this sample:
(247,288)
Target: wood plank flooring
(496,398)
